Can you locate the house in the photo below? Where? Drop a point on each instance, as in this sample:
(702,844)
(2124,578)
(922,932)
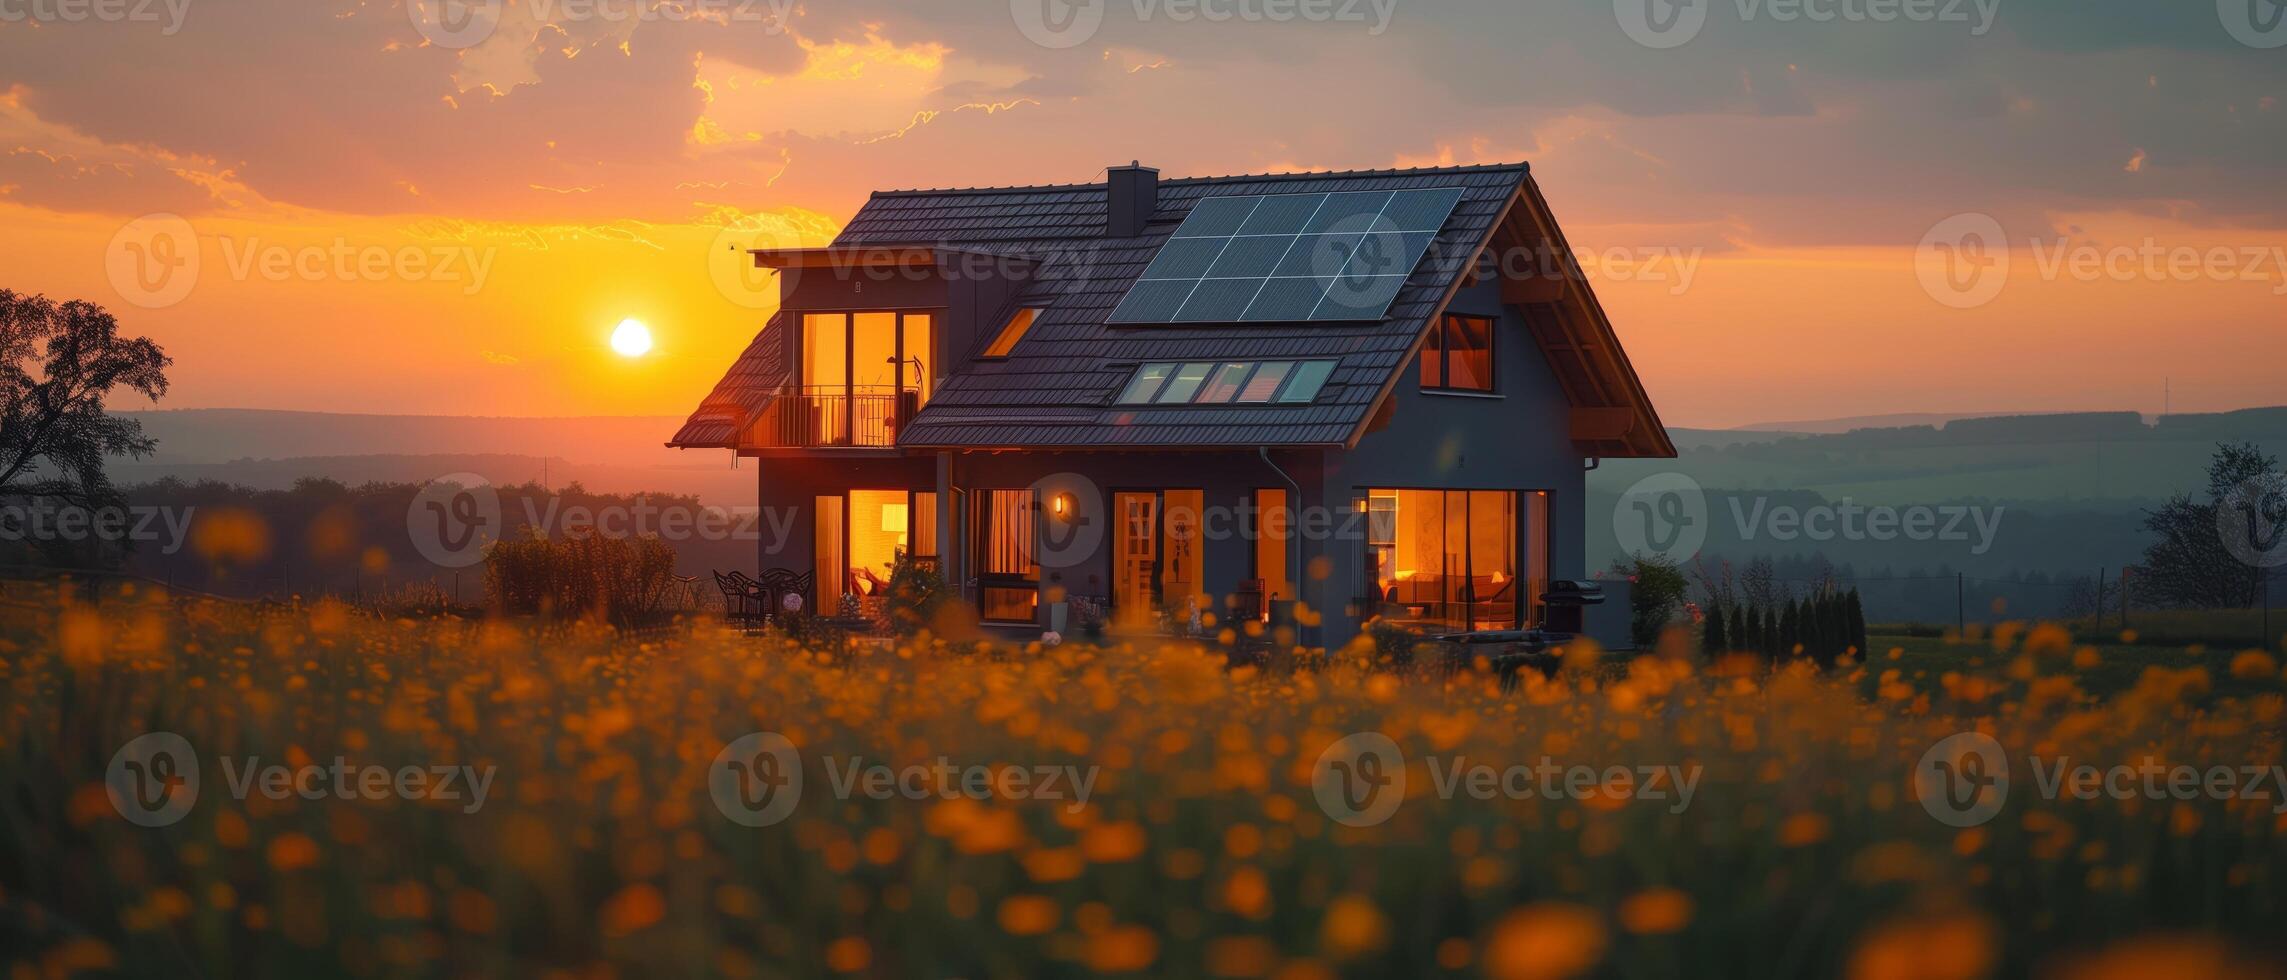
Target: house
(1330,396)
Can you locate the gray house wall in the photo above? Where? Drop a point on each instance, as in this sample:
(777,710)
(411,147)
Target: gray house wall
(1518,438)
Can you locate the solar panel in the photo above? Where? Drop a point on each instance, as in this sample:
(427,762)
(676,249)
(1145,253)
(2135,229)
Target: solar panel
(1289,258)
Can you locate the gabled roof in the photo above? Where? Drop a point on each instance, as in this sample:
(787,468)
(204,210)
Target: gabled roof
(1055,388)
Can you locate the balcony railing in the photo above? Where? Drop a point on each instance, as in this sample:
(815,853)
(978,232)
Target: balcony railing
(836,415)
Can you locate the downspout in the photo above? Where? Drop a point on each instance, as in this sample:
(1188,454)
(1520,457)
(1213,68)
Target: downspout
(1294,540)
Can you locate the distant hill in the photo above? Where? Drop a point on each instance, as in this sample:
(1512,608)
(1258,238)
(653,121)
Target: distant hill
(271,449)
(215,435)
(713,481)
(1862,422)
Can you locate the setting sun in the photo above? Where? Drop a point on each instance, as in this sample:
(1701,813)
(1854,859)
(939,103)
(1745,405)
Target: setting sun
(631,338)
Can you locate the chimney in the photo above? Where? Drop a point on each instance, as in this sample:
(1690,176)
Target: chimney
(1131,194)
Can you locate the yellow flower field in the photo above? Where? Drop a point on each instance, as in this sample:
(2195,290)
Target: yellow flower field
(603,846)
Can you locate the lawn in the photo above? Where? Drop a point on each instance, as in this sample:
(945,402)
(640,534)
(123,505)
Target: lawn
(603,846)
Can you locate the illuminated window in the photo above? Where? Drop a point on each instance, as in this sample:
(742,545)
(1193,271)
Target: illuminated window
(1448,558)
(1011,333)
(1458,355)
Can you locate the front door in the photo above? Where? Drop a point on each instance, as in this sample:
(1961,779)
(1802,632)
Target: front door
(1135,556)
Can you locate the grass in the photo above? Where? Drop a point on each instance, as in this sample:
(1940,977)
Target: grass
(1203,849)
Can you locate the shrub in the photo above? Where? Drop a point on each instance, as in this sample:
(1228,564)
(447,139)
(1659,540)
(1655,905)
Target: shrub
(1659,587)
(623,580)
(1715,638)
(916,592)
(1394,645)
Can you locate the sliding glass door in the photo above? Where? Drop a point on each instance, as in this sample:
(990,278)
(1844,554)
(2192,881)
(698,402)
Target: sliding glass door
(1449,558)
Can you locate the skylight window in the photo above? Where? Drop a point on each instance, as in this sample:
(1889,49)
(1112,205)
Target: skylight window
(1265,383)
(1224,384)
(1185,384)
(1146,384)
(1307,380)
(1228,382)
(1011,333)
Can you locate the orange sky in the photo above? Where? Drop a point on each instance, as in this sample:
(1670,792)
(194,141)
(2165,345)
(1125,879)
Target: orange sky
(384,223)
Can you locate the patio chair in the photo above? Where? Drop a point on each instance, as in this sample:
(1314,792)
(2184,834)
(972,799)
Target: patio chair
(742,600)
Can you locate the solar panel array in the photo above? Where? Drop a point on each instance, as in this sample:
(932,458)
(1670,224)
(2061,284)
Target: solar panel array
(1289,258)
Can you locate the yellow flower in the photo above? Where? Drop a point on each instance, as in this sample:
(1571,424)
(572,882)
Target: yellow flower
(1544,941)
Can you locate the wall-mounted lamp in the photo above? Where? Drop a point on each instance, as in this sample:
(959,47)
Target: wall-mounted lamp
(1061,506)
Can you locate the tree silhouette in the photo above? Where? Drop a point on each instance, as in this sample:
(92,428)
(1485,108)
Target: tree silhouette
(58,365)
(2193,565)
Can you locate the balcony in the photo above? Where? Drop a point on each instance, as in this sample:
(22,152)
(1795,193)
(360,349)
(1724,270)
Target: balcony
(831,416)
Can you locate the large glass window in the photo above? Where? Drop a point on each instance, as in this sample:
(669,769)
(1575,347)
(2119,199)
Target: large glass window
(1273,529)
(861,374)
(1008,574)
(1448,558)
(1458,354)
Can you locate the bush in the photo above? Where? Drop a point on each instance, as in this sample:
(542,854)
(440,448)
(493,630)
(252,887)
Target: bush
(623,580)
(916,592)
(1394,645)
(1659,587)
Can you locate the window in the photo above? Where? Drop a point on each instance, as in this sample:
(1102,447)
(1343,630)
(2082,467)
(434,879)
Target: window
(1274,529)
(862,374)
(1224,384)
(1448,558)
(1265,383)
(1458,355)
(1244,382)
(1307,379)
(1146,384)
(1185,383)
(1010,334)
(1008,574)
